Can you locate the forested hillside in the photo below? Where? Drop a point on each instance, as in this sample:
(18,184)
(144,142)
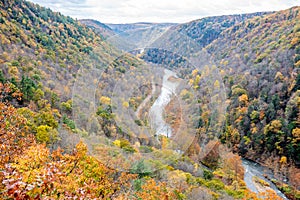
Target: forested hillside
(45,46)
(46,155)
(259,59)
(208,29)
(259,62)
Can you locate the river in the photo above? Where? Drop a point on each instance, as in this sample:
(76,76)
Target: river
(253,169)
(168,89)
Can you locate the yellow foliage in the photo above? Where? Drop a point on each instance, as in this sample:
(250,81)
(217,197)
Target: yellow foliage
(217,84)
(254,130)
(222,72)
(195,82)
(81,149)
(184,93)
(153,190)
(295,41)
(296,134)
(164,142)
(13,71)
(276,125)
(297,64)
(24,21)
(125,104)
(117,143)
(33,157)
(195,72)
(283,160)
(46,134)
(39,63)
(57,176)
(269,195)
(279,76)
(243,98)
(178,179)
(105,100)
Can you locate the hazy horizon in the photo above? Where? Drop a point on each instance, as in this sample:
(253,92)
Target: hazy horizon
(157,11)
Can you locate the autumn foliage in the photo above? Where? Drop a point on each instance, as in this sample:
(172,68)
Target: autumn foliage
(40,54)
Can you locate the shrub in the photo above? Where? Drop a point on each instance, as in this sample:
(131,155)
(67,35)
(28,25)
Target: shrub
(208,175)
(215,184)
(70,123)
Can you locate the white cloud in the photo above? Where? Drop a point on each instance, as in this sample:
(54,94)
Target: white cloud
(128,11)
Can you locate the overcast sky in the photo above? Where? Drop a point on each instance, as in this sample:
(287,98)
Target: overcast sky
(129,11)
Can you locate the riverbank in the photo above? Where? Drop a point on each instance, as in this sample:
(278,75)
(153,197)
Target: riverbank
(255,169)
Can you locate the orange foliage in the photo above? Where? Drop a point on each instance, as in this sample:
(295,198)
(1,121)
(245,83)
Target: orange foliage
(153,190)
(38,174)
(269,195)
(243,99)
(233,164)
(9,90)
(210,154)
(294,176)
(14,136)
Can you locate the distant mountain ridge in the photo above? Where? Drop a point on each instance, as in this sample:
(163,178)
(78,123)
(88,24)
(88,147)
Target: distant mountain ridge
(206,30)
(98,27)
(119,28)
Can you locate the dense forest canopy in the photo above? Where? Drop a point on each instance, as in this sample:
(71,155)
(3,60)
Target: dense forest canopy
(50,149)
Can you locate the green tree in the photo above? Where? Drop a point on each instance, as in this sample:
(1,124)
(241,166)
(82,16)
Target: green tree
(27,87)
(2,78)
